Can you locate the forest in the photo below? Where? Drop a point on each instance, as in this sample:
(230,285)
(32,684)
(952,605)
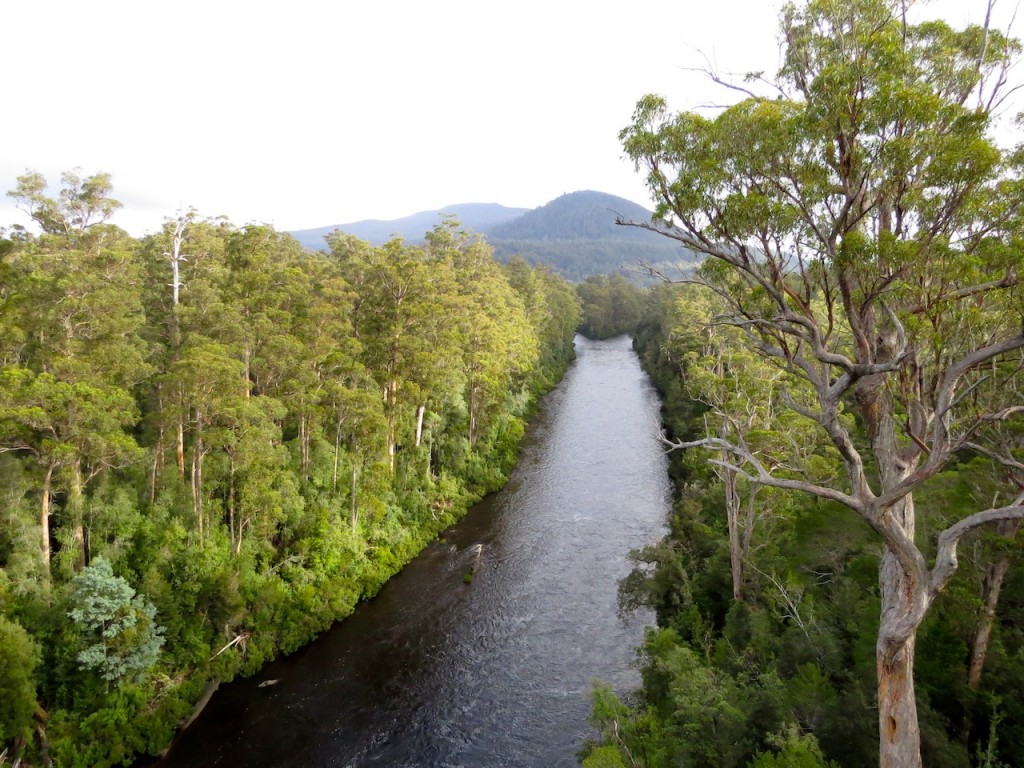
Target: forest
(767,601)
(843,402)
(214,443)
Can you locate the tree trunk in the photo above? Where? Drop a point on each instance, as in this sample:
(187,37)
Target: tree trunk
(905,595)
(158,450)
(390,405)
(900,737)
(231,505)
(355,510)
(732,513)
(905,602)
(472,415)
(197,474)
(177,257)
(180,443)
(247,374)
(991,587)
(337,451)
(154,470)
(44,517)
(430,456)
(420,412)
(304,443)
(76,504)
(174,269)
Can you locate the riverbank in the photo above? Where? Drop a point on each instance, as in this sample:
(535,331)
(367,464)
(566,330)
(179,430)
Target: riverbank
(497,671)
(444,511)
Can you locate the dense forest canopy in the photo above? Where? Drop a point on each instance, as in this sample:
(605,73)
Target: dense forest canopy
(214,442)
(611,306)
(857,337)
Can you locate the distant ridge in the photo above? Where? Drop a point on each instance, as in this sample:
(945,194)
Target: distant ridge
(575,234)
(475,216)
(585,215)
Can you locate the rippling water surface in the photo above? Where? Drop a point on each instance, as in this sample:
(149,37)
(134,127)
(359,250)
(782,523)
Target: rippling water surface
(435,672)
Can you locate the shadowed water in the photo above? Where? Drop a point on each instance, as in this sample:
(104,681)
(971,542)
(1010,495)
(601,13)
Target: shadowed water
(435,672)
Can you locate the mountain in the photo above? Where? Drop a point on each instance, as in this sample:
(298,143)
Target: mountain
(575,234)
(575,216)
(475,216)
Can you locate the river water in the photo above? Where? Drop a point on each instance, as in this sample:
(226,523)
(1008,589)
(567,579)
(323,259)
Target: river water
(497,672)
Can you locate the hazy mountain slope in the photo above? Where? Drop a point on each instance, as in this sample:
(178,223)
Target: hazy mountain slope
(576,234)
(475,216)
(575,216)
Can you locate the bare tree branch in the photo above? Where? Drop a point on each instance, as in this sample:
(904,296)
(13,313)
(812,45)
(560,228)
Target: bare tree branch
(946,558)
(1005,460)
(762,476)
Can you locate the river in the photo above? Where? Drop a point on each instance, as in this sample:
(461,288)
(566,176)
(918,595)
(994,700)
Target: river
(496,672)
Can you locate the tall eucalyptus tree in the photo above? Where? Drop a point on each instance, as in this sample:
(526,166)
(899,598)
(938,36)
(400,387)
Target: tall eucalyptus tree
(861,226)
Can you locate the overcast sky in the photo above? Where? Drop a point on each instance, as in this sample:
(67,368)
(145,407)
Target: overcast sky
(308,112)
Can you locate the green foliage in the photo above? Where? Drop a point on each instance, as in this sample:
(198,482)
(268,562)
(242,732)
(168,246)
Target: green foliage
(611,306)
(19,656)
(603,757)
(253,449)
(794,750)
(830,360)
(108,736)
(118,634)
(787,676)
(80,204)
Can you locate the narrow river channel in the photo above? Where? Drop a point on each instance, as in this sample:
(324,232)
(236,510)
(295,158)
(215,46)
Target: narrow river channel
(497,672)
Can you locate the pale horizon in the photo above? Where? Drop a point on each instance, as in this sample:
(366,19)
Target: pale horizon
(316,114)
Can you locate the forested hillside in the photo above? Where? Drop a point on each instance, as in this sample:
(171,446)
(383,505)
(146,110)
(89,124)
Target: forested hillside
(585,215)
(576,235)
(214,442)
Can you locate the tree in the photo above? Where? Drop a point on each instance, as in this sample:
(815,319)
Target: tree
(78,317)
(81,204)
(860,229)
(76,429)
(19,655)
(611,305)
(358,418)
(498,343)
(193,305)
(553,307)
(119,637)
(405,319)
(1002,451)
(796,750)
(742,394)
(210,381)
(251,440)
